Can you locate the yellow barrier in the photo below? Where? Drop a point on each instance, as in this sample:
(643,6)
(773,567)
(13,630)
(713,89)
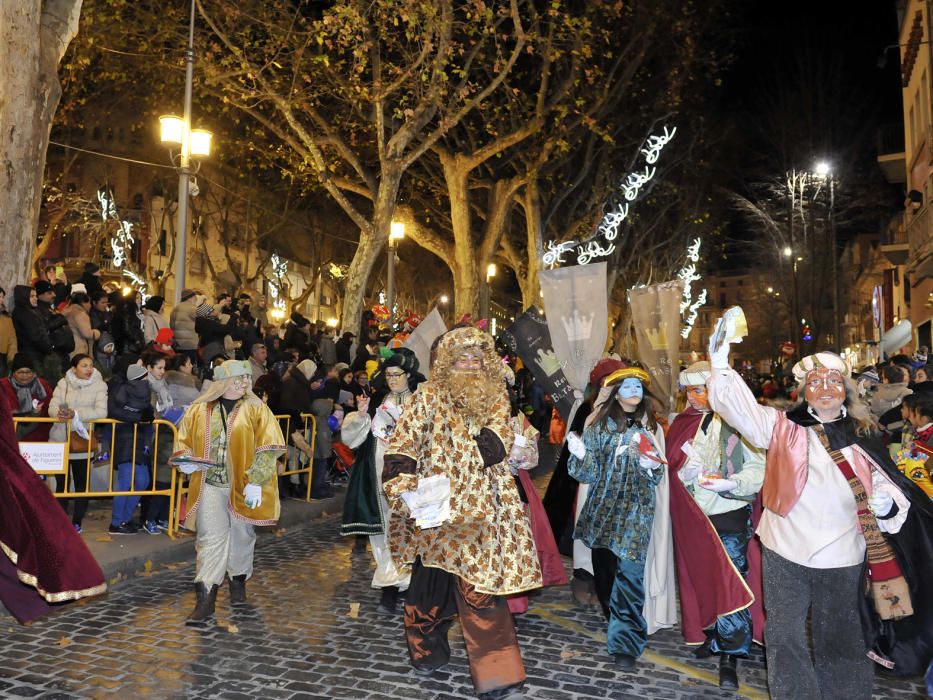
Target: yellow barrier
(292,459)
(65,471)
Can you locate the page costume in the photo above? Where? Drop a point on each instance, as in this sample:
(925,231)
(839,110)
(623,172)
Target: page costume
(485,550)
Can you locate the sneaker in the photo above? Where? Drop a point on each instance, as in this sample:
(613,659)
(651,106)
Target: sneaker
(151,528)
(77,527)
(162,525)
(123,529)
(102,457)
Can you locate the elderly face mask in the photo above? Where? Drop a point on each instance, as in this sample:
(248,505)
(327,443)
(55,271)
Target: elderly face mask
(631,392)
(469,361)
(697,397)
(825,389)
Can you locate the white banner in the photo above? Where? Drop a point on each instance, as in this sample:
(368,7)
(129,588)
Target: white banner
(577,311)
(422,337)
(44,457)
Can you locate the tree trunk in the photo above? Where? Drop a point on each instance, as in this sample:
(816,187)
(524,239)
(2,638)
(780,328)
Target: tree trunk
(531,202)
(464,266)
(372,244)
(29,95)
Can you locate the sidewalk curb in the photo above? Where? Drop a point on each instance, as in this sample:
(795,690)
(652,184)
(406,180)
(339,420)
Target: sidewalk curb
(294,514)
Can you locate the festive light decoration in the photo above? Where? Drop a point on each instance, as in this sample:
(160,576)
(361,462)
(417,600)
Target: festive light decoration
(122,240)
(688,273)
(139,282)
(602,243)
(279,269)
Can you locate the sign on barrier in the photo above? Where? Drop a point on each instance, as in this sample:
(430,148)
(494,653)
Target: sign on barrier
(45,457)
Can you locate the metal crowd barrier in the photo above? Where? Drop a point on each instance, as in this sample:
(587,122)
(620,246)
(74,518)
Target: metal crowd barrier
(56,450)
(292,463)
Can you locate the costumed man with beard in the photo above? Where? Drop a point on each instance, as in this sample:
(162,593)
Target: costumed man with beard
(365,510)
(230,441)
(624,520)
(43,560)
(457,427)
(720,475)
(846,537)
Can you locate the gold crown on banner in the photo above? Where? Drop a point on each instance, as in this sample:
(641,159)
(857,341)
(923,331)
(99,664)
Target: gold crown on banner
(547,361)
(657,337)
(578,327)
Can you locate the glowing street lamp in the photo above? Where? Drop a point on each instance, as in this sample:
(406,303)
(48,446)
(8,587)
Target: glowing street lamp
(396,234)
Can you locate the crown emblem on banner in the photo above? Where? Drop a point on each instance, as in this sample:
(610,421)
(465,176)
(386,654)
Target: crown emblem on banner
(657,337)
(547,361)
(578,327)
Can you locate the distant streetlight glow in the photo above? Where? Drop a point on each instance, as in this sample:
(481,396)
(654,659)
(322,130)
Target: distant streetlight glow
(444,298)
(822,168)
(491,271)
(396,231)
(788,252)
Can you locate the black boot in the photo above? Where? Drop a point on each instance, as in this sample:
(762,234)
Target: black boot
(703,651)
(389,600)
(238,589)
(728,678)
(204,608)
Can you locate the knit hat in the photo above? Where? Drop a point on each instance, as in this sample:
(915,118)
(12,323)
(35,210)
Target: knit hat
(77,288)
(307,368)
(165,336)
(695,375)
(42,286)
(204,310)
(187,294)
(21,361)
(827,360)
(871,375)
(134,372)
(232,368)
(340,367)
(154,303)
(91,268)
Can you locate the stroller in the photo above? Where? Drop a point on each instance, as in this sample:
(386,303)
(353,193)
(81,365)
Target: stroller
(340,463)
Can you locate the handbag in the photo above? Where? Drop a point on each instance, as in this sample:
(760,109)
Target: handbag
(79,445)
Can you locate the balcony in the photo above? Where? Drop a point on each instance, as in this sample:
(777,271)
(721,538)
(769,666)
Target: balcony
(920,242)
(891,156)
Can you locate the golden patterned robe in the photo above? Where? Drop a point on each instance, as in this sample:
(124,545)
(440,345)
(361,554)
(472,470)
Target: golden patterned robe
(487,542)
(253,430)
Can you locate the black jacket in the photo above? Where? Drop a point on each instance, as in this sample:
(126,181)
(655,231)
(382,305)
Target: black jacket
(130,402)
(127,329)
(32,334)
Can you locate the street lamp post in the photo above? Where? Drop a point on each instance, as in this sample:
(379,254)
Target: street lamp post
(823,170)
(485,292)
(194,143)
(396,233)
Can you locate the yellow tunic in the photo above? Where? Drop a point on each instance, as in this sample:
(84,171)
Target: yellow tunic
(487,542)
(253,431)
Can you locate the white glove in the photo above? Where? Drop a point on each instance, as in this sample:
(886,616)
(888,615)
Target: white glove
(880,503)
(252,495)
(718,485)
(576,446)
(723,334)
(691,470)
(646,462)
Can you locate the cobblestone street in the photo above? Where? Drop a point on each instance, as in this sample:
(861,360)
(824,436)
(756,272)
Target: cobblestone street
(299,639)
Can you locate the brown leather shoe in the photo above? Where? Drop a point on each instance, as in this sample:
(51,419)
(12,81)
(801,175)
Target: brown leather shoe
(206,598)
(238,589)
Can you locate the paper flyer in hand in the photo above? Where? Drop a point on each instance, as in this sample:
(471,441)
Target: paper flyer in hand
(188,464)
(430,503)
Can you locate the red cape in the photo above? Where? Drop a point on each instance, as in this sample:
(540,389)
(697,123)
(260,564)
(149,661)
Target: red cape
(709,584)
(45,560)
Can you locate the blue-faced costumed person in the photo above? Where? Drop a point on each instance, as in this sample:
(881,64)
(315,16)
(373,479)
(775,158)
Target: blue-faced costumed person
(43,560)
(624,520)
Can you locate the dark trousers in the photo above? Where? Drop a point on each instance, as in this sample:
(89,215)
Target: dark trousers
(839,667)
(78,470)
(620,587)
(732,634)
(434,597)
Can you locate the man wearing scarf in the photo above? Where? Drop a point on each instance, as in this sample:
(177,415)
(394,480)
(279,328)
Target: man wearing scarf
(457,426)
(711,509)
(833,502)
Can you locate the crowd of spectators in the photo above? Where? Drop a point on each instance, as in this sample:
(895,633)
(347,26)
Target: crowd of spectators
(84,351)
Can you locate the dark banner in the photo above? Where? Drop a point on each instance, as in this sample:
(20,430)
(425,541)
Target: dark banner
(530,339)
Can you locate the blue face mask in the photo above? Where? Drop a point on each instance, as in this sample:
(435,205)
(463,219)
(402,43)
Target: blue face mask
(631,388)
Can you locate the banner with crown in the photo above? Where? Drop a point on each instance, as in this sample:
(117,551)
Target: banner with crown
(656,317)
(577,310)
(530,339)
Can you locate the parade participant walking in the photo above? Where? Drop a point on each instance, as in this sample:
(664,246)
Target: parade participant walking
(832,499)
(621,457)
(366,511)
(711,507)
(457,426)
(42,559)
(240,440)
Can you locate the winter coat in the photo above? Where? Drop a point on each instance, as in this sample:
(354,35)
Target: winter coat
(184,388)
(295,397)
(328,350)
(297,336)
(131,403)
(87,397)
(182,322)
(887,396)
(322,408)
(7,342)
(60,335)
(84,334)
(153,322)
(91,284)
(32,335)
(342,347)
(40,433)
(127,329)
